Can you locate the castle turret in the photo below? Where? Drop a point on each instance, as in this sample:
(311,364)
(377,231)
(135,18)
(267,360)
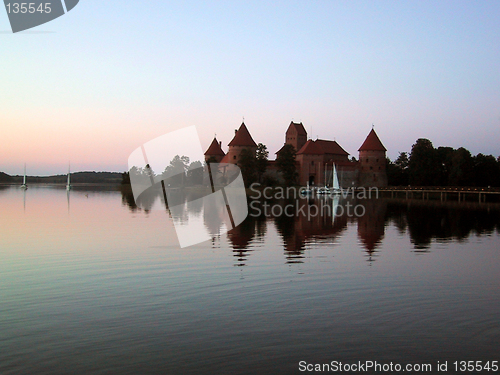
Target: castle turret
(296,135)
(372,162)
(215,151)
(242,140)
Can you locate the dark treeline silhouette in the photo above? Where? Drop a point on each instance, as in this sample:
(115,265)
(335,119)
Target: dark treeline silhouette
(286,164)
(253,166)
(443,166)
(5,177)
(179,172)
(426,222)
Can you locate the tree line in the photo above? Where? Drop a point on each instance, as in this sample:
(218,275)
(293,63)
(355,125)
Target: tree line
(426,165)
(179,172)
(253,166)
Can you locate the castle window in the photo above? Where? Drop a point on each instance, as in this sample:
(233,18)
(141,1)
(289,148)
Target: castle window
(234,157)
(371,168)
(377,160)
(379,168)
(367,160)
(312,162)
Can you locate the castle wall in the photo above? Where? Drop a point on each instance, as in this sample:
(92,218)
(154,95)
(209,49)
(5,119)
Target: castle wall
(372,169)
(217,158)
(311,169)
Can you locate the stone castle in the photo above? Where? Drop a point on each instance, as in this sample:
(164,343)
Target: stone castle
(315,158)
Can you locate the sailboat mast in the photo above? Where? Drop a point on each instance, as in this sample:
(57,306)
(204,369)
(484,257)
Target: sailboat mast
(24,177)
(325,174)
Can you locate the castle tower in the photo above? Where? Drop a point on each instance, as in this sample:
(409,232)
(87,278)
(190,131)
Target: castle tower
(215,151)
(310,160)
(242,140)
(296,135)
(372,162)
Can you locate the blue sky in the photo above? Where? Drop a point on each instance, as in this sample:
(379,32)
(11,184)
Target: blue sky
(95,84)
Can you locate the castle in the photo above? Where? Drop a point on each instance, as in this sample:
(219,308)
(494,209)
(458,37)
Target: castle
(315,159)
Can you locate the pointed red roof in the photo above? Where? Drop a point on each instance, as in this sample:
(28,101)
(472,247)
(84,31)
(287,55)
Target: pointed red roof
(298,127)
(311,148)
(372,143)
(214,149)
(331,147)
(242,137)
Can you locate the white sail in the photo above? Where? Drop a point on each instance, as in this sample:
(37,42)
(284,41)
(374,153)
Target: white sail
(24,186)
(335,206)
(68,184)
(336,186)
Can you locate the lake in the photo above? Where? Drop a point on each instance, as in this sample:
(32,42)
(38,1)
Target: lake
(92,284)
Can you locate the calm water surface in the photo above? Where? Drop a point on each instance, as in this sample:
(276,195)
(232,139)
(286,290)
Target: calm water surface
(91,284)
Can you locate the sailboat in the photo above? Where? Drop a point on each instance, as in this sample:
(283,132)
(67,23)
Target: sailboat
(324,190)
(24,186)
(68,184)
(336,186)
(307,190)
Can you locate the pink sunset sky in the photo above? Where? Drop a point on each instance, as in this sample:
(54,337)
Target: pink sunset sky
(92,86)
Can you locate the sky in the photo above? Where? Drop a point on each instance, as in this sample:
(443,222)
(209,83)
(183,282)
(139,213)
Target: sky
(95,84)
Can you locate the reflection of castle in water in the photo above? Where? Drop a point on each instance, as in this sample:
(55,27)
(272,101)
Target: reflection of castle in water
(371,226)
(297,231)
(423,221)
(243,235)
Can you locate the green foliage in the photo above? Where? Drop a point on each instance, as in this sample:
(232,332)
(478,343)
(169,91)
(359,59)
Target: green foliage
(286,164)
(423,164)
(261,160)
(461,168)
(486,170)
(397,172)
(175,173)
(443,166)
(195,173)
(248,165)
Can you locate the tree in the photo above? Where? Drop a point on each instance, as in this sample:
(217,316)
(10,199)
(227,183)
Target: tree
(445,160)
(175,173)
(486,170)
(248,165)
(461,168)
(195,173)
(423,165)
(261,161)
(125,178)
(402,161)
(397,172)
(286,164)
